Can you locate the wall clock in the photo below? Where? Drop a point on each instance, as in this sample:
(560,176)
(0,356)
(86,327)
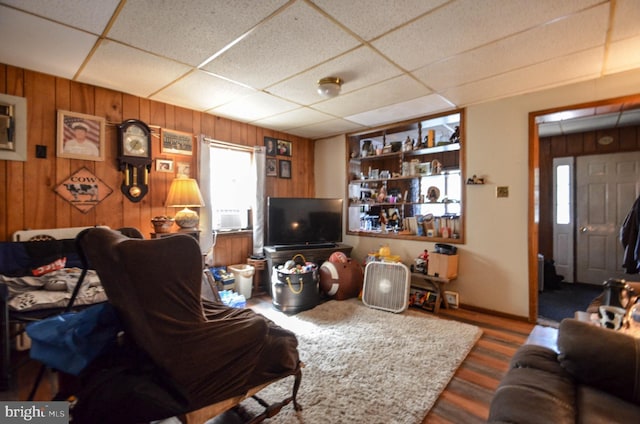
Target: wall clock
(134,158)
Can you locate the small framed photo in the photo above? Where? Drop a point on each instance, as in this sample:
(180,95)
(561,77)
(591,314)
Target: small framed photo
(285,168)
(271,146)
(452,299)
(284,148)
(80,136)
(184,169)
(272,168)
(164,165)
(176,142)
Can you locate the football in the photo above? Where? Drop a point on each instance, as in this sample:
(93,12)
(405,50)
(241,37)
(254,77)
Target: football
(341,280)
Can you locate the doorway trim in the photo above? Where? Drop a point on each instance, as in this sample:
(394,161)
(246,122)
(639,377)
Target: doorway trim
(606,106)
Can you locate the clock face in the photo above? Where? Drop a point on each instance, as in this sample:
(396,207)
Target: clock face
(135,142)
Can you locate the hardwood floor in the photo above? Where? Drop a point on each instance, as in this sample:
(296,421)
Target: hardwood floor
(465,400)
(468,395)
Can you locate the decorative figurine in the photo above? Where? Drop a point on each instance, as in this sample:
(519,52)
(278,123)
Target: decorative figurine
(455,137)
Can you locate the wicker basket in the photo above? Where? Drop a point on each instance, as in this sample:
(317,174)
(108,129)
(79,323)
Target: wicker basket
(162,225)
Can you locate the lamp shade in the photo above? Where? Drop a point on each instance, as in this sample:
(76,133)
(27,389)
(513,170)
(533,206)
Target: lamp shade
(184,193)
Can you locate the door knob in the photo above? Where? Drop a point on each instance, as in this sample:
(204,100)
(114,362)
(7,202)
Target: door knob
(584,229)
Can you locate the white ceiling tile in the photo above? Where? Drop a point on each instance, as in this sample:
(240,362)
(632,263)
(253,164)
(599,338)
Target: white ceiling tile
(623,55)
(119,67)
(387,93)
(575,33)
(630,117)
(89,15)
(465,51)
(326,129)
(291,42)
(188,31)
(549,129)
(560,71)
(254,107)
(371,18)
(201,91)
(293,119)
(402,111)
(34,43)
(465,24)
(358,68)
(626,20)
(589,124)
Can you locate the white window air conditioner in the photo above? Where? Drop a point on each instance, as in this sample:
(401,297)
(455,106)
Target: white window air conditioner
(229,219)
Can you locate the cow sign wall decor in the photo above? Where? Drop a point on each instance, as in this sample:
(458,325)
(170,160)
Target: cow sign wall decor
(83,190)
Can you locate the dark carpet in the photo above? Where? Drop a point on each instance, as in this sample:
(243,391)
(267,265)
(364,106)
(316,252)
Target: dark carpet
(560,303)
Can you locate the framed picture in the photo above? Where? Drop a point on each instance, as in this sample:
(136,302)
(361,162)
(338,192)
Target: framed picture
(452,299)
(13,121)
(176,142)
(285,168)
(80,136)
(164,165)
(271,145)
(284,148)
(184,169)
(272,169)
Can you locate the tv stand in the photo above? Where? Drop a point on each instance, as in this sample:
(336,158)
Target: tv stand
(276,255)
(289,247)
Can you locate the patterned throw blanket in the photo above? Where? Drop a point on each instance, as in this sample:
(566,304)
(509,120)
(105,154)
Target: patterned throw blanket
(53,290)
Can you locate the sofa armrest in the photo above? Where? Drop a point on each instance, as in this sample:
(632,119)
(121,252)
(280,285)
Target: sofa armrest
(535,380)
(601,358)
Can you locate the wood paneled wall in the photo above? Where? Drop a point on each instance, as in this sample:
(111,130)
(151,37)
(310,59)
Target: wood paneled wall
(27,197)
(626,139)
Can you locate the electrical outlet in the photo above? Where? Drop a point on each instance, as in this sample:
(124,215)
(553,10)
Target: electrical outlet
(502,191)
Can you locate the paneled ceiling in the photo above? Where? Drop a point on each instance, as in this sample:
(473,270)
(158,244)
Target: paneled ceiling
(258,61)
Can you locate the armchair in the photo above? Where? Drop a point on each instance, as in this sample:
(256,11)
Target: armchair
(214,356)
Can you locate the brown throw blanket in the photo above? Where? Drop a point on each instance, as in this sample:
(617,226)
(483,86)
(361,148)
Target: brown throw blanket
(211,351)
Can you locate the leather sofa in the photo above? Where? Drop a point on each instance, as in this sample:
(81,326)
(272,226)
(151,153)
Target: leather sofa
(593,378)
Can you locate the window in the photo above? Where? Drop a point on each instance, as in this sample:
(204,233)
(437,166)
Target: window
(233,187)
(563,194)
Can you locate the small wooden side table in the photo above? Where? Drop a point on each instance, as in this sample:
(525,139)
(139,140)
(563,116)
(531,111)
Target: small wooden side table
(195,234)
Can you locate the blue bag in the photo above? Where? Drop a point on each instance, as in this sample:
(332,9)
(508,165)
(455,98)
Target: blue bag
(70,341)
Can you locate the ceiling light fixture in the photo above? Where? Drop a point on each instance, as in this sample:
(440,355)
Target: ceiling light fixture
(329,86)
(605,140)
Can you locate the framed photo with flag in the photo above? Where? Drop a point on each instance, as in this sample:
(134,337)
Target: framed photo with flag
(80,136)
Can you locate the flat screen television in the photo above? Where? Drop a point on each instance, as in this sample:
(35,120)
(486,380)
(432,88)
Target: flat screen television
(298,222)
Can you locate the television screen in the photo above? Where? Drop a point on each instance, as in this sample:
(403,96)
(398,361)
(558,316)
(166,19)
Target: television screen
(303,221)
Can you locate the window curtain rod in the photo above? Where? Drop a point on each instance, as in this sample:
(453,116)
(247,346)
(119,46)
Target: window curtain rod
(224,144)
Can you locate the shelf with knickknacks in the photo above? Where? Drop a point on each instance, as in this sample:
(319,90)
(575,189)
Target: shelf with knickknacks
(408,170)
(475,180)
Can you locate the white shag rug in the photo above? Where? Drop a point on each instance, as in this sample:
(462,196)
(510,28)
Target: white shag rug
(365,365)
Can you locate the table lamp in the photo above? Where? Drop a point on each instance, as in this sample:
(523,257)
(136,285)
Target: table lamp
(184,193)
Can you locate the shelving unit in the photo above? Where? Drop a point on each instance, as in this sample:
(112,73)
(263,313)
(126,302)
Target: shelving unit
(406,180)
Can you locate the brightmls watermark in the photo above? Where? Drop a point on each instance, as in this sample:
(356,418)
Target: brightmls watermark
(34,412)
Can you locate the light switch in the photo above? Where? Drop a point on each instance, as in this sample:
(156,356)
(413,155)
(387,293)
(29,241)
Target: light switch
(41,151)
(502,191)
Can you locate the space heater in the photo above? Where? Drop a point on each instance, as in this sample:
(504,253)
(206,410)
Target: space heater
(386,286)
